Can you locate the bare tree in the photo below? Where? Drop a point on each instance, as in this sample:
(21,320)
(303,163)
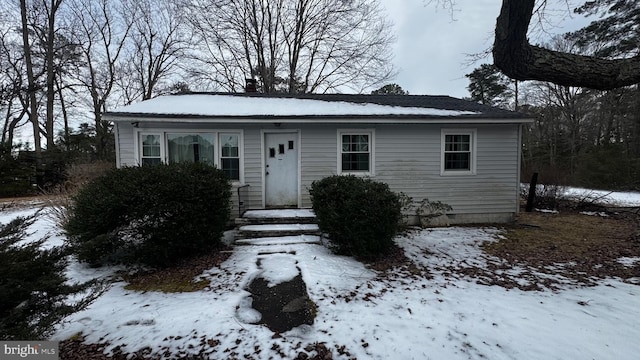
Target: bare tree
(294,45)
(104,28)
(47,45)
(13,102)
(159,41)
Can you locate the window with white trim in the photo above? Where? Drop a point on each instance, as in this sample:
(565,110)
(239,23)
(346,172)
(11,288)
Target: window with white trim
(219,149)
(151,149)
(230,155)
(356,152)
(458,152)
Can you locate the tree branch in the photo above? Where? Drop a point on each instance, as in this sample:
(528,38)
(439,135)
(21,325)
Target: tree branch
(520,60)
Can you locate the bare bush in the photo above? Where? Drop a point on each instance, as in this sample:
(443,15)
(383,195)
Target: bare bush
(58,200)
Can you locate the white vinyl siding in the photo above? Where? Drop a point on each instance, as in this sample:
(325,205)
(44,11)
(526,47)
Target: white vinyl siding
(125,144)
(408,157)
(251,164)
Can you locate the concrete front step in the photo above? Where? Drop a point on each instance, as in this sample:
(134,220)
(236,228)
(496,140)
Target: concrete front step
(277,216)
(273,223)
(276,230)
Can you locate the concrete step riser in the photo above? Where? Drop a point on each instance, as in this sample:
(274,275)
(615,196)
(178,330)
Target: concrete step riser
(267,221)
(272,224)
(264,234)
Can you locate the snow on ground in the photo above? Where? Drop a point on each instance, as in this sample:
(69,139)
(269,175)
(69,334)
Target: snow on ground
(618,198)
(367,316)
(280,213)
(605,197)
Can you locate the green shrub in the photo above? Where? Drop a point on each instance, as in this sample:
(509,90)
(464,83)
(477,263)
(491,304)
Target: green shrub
(360,216)
(153,215)
(16,176)
(33,285)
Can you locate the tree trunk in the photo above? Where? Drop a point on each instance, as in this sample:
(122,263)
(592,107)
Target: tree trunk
(520,60)
(50,55)
(12,127)
(33,104)
(65,116)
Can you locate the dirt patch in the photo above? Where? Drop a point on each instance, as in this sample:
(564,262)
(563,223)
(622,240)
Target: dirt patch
(396,263)
(577,246)
(283,306)
(76,349)
(177,278)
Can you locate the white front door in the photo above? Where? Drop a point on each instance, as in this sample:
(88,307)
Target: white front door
(281,169)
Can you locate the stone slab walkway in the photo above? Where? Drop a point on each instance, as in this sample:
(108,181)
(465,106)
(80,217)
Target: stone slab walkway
(277,291)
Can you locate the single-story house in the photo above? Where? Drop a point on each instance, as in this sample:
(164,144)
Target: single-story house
(273,147)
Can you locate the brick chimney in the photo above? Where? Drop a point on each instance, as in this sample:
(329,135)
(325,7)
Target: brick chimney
(251,85)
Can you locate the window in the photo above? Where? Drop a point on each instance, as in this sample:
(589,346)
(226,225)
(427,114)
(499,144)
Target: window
(150,149)
(190,148)
(458,152)
(356,152)
(215,148)
(230,155)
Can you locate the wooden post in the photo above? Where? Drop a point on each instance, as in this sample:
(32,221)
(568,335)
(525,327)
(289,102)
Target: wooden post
(532,192)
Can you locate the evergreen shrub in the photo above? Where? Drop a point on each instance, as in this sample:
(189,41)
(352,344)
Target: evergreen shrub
(33,285)
(152,215)
(361,216)
(16,177)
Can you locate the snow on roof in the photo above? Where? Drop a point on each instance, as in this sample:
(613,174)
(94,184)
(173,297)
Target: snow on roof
(233,105)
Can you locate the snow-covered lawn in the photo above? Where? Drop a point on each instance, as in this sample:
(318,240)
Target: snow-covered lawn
(616,198)
(604,197)
(363,315)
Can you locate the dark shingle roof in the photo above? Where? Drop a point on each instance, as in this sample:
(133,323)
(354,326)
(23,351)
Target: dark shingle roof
(422,101)
(203,106)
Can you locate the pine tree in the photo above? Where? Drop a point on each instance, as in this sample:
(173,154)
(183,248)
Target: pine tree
(33,285)
(615,33)
(390,89)
(488,86)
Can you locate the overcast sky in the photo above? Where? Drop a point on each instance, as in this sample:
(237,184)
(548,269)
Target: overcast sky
(432,43)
